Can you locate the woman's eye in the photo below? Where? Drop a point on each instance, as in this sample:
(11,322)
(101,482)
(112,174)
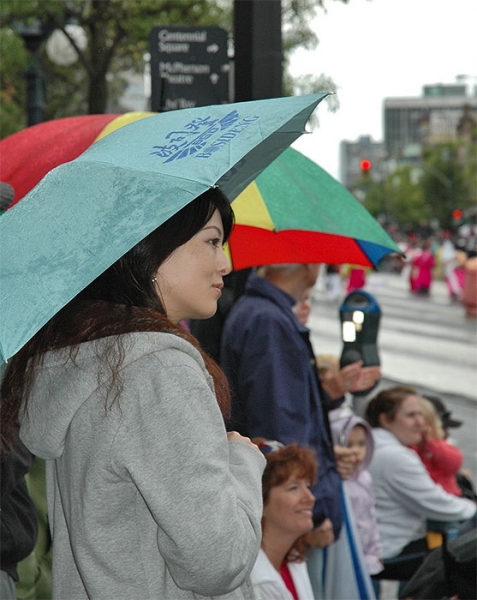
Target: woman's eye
(215,242)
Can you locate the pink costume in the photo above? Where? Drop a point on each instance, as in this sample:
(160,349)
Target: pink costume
(357,279)
(421,271)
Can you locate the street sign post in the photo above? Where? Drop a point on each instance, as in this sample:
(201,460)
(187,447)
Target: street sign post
(189,67)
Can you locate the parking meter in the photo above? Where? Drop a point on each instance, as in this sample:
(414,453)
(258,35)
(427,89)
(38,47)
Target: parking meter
(360,315)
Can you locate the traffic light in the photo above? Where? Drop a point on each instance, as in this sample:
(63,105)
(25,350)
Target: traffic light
(365,166)
(457,218)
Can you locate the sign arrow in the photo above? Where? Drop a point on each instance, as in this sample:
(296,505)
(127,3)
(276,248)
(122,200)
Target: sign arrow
(189,67)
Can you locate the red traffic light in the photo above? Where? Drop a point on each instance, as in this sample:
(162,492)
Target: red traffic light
(457,214)
(365,164)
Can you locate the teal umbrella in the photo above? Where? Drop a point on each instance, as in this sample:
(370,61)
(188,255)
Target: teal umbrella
(87,213)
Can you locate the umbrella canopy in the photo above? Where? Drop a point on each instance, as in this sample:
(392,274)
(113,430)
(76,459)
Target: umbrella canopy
(295,212)
(85,214)
(27,156)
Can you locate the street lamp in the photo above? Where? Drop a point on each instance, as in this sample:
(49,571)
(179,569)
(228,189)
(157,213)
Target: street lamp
(60,50)
(33,36)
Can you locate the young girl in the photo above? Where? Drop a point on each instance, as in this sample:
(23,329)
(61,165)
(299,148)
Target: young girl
(148,496)
(353,432)
(441,459)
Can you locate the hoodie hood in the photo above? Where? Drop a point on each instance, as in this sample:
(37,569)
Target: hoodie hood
(63,384)
(342,422)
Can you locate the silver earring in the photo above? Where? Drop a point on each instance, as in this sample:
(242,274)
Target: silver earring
(154,279)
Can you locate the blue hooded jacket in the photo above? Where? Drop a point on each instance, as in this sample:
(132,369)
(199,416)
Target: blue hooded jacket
(270,363)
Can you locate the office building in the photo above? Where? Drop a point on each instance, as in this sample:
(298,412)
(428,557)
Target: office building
(411,123)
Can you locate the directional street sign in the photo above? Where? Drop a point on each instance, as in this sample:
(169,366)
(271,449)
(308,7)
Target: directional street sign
(189,67)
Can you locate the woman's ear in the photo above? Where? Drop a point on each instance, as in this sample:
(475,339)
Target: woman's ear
(383,420)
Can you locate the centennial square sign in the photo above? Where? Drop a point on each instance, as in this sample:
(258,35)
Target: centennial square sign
(189,67)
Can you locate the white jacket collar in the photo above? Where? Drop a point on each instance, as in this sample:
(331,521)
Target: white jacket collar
(264,572)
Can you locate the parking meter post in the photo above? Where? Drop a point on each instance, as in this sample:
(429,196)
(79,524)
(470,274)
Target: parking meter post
(360,316)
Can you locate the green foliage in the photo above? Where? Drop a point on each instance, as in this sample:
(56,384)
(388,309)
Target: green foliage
(467,157)
(117,32)
(12,83)
(414,195)
(398,199)
(444,182)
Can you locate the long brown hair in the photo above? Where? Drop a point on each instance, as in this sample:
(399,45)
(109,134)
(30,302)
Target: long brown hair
(121,300)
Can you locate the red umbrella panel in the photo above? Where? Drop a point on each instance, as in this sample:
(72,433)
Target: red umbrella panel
(27,156)
(253,246)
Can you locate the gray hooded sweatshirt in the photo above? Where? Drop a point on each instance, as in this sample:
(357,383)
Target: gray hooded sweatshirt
(147,499)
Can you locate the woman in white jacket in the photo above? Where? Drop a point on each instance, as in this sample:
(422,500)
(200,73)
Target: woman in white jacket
(405,493)
(280,572)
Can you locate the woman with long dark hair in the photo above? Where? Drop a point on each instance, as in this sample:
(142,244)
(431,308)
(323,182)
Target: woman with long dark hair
(148,496)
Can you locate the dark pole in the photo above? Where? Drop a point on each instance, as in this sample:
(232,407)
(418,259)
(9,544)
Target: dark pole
(258,49)
(34,93)
(33,36)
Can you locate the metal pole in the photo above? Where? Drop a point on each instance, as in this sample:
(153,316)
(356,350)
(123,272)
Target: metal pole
(33,36)
(258,52)
(34,92)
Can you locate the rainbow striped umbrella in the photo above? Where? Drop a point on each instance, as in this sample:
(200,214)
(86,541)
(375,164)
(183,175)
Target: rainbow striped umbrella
(295,212)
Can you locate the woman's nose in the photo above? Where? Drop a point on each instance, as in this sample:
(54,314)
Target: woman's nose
(224,267)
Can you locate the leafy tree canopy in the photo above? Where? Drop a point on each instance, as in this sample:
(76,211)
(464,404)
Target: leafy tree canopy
(397,199)
(428,192)
(447,181)
(117,32)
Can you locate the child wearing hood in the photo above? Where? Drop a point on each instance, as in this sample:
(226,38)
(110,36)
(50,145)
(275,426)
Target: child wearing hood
(351,431)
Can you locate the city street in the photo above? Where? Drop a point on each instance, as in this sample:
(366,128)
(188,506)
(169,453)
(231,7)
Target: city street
(427,342)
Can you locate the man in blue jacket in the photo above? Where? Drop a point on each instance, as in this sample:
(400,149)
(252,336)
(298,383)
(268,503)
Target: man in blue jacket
(268,358)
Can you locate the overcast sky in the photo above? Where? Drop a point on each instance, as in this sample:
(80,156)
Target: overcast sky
(375,49)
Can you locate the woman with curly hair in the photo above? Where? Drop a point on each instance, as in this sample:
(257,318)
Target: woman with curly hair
(280,572)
